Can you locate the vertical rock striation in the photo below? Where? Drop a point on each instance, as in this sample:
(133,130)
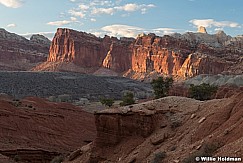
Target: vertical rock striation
(180,56)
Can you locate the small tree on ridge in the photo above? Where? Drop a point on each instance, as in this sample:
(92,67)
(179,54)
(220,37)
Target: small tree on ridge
(127,99)
(161,86)
(107,101)
(202,92)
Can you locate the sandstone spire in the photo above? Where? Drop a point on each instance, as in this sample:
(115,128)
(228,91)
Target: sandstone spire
(202,29)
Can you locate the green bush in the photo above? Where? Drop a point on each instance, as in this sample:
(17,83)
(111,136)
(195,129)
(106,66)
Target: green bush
(161,86)
(202,92)
(158,157)
(57,159)
(107,101)
(16,158)
(127,99)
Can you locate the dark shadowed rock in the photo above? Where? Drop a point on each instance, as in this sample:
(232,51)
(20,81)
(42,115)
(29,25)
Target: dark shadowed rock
(18,53)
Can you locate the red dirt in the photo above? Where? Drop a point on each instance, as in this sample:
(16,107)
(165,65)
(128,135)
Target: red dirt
(37,124)
(182,128)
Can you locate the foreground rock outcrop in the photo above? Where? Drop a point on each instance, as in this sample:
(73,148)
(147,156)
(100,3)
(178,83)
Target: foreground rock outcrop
(36,130)
(172,129)
(18,53)
(180,56)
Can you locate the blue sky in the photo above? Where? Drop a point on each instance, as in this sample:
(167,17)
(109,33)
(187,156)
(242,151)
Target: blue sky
(121,17)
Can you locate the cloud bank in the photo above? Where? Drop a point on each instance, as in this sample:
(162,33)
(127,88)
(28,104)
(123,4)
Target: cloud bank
(12,3)
(213,23)
(120,30)
(95,8)
(11,25)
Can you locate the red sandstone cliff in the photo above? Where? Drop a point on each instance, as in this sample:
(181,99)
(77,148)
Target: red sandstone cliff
(180,56)
(77,47)
(86,50)
(118,58)
(161,54)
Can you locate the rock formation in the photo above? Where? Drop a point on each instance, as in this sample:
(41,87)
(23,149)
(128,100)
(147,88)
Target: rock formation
(118,58)
(40,39)
(202,29)
(18,53)
(180,56)
(81,48)
(172,129)
(87,50)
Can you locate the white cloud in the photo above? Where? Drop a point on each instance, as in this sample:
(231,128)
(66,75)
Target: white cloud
(12,3)
(164,31)
(98,34)
(130,7)
(64,22)
(143,11)
(11,25)
(59,23)
(119,30)
(49,35)
(101,3)
(97,11)
(73,19)
(219,29)
(76,13)
(109,7)
(212,23)
(84,7)
(93,19)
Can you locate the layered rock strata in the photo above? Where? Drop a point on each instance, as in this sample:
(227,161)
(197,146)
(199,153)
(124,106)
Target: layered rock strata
(180,56)
(18,53)
(87,50)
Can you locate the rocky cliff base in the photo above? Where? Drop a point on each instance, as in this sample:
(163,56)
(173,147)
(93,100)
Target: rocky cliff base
(172,129)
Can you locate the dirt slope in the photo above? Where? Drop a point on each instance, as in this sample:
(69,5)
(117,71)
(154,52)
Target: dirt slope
(34,126)
(177,130)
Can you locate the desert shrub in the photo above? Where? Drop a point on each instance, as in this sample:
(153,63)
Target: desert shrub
(158,157)
(16,103)
(206,150)
(175,124)
(30,106)
(127,99)
(202,92)
(107,101)
(57,159)
(16,158)
(161,86)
